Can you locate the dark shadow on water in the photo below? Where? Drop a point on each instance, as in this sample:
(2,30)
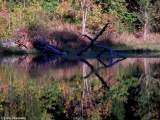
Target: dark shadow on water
(44,59)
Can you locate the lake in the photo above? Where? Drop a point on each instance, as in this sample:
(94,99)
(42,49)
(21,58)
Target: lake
(46,88)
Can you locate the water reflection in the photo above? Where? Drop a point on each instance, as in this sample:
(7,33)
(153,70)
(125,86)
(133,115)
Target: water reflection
(95,71)
(69,88)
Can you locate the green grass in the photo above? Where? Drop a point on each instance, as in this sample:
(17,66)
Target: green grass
(150,46)
(14,51)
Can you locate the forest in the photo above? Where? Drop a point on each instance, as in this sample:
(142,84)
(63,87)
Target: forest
(133,24)
(81,83)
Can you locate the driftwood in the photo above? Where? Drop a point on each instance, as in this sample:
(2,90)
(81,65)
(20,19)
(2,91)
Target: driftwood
(45,47)
(99,46)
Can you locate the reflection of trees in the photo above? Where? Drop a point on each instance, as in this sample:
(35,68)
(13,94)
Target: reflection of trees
(16,101)
(100,103)
(48,98)
(90,101)
(29,98)
(147,95)
(42,66)
(43,98)
(95,103)
(154,70)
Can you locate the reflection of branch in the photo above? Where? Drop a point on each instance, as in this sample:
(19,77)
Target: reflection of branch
(111,63)
(101,53)
(103,62)
(93,70)
(102,80)
(44,59)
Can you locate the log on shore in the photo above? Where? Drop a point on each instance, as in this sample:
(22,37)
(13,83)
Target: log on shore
(46,48)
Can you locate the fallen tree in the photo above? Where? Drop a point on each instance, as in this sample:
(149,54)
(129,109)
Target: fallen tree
(99,46)
(46,48)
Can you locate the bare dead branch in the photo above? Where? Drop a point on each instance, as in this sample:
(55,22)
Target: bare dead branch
(92,40)
(111,51)
(99,46)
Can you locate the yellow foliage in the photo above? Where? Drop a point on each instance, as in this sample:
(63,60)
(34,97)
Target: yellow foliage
(76,4)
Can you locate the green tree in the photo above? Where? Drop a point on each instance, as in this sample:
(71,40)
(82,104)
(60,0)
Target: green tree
(50,5)
(146,11)
(77,8)
(125,19)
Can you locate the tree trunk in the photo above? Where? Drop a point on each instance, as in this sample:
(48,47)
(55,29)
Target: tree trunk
(145,32)
(83,24)
(24,3)
(9,15)
(84,14)
(146,22)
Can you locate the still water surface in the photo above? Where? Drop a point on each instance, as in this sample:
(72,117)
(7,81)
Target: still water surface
(41,88)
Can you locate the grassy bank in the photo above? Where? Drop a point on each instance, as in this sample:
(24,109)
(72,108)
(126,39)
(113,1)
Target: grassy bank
(71,40)
(15,51)
(50,20)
